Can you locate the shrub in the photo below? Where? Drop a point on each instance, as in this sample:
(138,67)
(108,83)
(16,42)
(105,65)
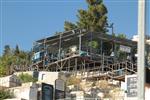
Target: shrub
(5,94)
(26,78)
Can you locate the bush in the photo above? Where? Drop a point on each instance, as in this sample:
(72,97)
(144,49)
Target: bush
(26,78)
(6,94)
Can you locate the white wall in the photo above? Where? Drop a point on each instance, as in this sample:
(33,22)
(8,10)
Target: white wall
(10,81)
(24,91)
(48,77)
(45,76)
(147,92)
(27,72)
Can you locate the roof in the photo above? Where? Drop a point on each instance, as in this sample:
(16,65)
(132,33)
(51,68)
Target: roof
(73,34)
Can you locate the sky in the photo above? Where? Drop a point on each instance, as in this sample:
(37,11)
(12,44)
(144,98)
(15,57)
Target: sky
(25,21)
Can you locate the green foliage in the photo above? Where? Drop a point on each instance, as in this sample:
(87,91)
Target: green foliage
(5,63)
(17,51)
(26,78)
(7,50)
(5,94)
(69,26)
(92,19)
(13,57)
(57,33)
(121,35)
(3,71)
(93,44)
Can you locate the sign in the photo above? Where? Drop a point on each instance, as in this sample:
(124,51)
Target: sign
(125,48)
(47,91)
(59,89)
(131,83)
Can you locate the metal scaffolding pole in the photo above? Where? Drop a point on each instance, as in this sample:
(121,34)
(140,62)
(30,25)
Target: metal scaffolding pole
(60,43)
(80,39)
(141,49)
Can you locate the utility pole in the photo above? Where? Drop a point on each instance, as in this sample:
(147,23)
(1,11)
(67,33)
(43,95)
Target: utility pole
(141,49)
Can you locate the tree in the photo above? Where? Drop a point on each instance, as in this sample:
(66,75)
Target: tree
(69,26)
(57,33)
(93,44)
(7,50)
(13,57)
(17,51)
(3,70)
(29,56)
(121,35)
(94,18)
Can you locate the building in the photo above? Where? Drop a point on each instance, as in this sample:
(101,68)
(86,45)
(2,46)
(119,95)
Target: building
(135,38)
(86,52)
(50,77)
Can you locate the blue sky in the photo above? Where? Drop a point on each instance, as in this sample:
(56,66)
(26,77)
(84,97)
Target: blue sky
(24,21)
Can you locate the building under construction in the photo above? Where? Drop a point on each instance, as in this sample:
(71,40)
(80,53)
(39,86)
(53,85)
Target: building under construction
(91,54)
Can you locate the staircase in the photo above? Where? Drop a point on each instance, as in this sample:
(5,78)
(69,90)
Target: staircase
(114,71)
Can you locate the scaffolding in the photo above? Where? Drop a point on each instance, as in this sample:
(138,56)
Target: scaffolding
(90,54)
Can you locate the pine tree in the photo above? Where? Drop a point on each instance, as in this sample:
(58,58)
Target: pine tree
(7,50)
(122,35)
(94,18)
(17,51)
(69,26)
